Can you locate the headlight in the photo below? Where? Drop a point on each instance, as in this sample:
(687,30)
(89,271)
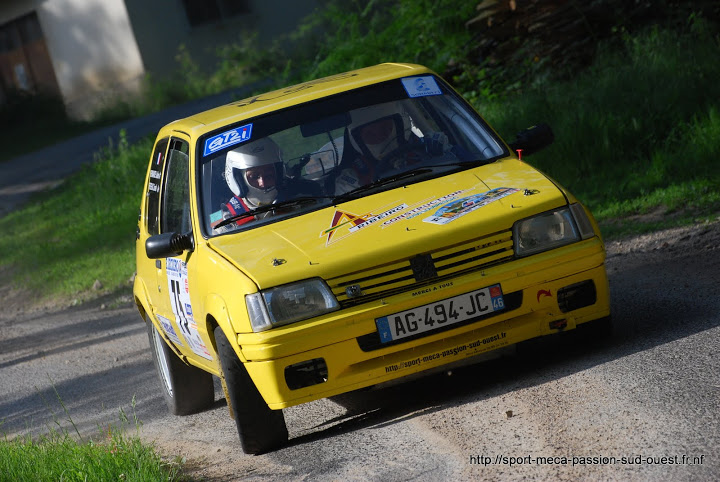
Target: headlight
(290,303)
(551,230)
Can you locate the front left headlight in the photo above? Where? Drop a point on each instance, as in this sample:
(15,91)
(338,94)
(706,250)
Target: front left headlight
(551,230)
(290,303)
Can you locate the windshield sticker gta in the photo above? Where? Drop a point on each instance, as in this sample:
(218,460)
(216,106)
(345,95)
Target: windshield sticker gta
(456,209)
(421,86)
(178,289)
(169,329)
(229,138)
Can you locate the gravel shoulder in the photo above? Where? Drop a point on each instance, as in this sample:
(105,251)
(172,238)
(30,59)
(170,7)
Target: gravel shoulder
(650,391)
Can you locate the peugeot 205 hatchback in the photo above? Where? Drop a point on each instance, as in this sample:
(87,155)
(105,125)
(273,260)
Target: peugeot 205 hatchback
(348,232)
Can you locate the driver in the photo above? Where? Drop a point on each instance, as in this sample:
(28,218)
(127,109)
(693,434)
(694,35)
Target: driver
(254,173)
(384,139)
(375,134)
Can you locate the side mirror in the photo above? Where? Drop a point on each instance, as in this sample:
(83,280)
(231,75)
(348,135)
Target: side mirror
(168,244)
(533,139)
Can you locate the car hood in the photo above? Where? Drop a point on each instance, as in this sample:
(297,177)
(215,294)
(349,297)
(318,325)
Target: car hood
(392,225)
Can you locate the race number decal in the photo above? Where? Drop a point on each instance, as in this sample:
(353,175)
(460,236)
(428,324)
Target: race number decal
(169,329)
(180,302)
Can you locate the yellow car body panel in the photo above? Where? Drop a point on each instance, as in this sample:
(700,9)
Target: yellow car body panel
(369,237)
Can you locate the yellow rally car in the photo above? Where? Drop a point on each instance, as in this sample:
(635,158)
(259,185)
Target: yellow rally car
(347,232)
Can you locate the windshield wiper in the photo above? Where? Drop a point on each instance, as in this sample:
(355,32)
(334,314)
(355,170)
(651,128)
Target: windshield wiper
(271,207)
(380,182)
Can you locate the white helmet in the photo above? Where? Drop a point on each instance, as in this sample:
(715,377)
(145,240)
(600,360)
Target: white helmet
(263,152)
(379,130)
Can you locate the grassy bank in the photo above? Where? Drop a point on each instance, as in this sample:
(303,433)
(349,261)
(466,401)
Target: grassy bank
(56,457)
(59,455)
(635,133)
(82,231)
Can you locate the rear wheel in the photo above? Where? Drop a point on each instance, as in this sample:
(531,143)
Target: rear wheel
(186,389)
(260,429)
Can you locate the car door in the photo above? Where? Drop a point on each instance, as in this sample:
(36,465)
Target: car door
(173,305)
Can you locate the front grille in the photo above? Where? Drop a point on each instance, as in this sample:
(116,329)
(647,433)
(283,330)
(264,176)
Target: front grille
(404,275)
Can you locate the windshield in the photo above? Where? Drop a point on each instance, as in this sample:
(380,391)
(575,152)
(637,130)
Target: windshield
(335,149)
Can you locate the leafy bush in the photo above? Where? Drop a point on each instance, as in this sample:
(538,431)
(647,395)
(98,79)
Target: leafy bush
(641,119)
(349,35)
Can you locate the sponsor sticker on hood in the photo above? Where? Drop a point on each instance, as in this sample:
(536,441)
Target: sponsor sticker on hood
(456,209)
(345,223)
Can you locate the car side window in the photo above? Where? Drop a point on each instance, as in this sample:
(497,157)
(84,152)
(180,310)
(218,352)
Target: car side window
(153,195)
(175,211)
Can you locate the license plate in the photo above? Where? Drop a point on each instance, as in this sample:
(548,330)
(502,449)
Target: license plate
(434,316)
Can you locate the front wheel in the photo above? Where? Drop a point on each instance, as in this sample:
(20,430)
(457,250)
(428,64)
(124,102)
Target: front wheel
(260,429)
(186,389)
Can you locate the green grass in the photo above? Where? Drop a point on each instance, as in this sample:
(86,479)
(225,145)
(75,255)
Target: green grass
(81,232)
(60,456)
(636,133)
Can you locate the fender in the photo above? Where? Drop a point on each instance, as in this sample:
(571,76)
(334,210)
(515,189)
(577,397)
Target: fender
(142,302)
(141,297)
(215,306)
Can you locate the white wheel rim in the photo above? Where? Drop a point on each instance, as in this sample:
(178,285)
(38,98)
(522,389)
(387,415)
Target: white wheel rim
(164,369)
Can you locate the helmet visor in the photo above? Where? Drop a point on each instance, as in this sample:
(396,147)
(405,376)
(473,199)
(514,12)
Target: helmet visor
(261,177)
(377,132)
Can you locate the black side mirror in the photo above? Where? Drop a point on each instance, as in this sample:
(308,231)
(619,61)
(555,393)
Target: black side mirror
(168,244)
(533,139)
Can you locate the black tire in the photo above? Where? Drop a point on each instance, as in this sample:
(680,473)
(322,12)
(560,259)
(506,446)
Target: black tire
(186,389)
(260,429)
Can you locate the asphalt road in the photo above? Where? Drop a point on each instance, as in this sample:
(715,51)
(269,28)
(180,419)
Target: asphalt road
(579,404)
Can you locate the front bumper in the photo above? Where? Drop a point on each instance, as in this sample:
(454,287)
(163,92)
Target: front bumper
(550,292)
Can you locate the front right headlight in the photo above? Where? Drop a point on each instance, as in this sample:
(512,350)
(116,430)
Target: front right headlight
(290,303)
(551,230)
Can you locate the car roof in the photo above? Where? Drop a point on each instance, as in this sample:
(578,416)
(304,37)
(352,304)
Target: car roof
(237,111)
